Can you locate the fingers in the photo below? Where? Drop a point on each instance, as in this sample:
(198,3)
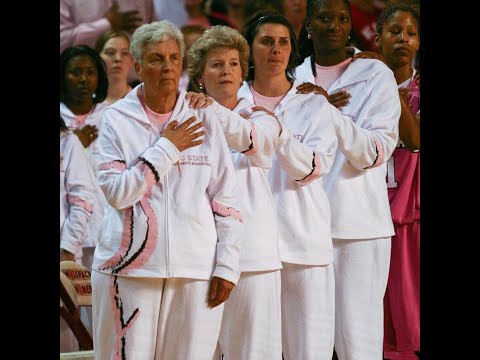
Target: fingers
(244,115)
(194,128)
(197,135)
(171,125)
(90,132)
(198,100)
(303,86)
(219,292)
(261,108)
(213,289)
(307,88)
(340,98)
(187,123)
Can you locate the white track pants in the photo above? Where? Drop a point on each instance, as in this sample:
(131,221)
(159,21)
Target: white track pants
(308,311)
(361,274)
(153,318)
(251,323)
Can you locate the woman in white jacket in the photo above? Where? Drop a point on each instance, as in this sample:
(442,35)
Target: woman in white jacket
(251,322)
(303,156)
(367,135)
(83,88)
(168,254)
(77,201)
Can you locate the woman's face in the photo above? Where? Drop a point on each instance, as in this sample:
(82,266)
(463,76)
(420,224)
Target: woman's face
(116,54)
(81,78)
(330,25)
(222,74)
(271,49)
(400,40)
(161,67)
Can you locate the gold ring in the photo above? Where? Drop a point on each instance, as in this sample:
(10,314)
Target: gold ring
(91,135)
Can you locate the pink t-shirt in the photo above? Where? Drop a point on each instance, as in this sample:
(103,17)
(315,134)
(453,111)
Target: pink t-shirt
(268,102)
(159,120)
(327,75)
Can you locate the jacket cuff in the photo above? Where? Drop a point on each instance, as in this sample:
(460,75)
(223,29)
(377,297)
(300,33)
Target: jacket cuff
(226,274)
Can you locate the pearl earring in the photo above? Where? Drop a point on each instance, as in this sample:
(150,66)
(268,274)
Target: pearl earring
(200,86)
(309,36)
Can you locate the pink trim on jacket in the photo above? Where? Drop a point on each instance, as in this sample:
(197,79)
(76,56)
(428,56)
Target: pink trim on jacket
(116,164)
(315,171)
(226,211)
(253,137)
(148,174)
(150,242)
(125,244)
(380,154)
(74,200)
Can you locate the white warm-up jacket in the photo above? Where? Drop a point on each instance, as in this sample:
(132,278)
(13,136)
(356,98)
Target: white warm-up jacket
(367,135)
(259,234)
(172,213)
(77,194)
(304,154)
(92,152)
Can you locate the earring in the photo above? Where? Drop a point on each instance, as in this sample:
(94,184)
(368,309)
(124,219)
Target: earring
(309,36)
(200,86)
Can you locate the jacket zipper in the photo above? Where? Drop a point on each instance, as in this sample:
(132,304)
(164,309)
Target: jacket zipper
(167,248)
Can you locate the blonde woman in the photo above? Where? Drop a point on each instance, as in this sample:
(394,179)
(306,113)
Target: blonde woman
(251,326)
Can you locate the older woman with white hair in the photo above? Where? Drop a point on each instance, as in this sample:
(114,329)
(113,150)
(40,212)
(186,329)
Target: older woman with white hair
(168,254)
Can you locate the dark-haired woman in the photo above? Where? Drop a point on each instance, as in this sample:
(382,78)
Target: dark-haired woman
(77,200)
(83,88)
(300,163)
(367,135)
(398,41)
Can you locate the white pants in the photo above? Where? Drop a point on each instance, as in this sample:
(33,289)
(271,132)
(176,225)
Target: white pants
(361,274)
(153,318)
(251,323)
(308,311)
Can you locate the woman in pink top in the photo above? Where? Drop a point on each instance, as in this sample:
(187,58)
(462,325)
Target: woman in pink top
(398,41)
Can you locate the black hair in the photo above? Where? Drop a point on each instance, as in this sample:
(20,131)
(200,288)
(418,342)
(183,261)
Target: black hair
(63,126)
(305,45)
(389,11)
(253,7)
(74,51)
(250,30)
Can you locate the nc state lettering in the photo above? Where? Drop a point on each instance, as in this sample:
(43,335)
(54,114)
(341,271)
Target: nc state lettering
(199,158)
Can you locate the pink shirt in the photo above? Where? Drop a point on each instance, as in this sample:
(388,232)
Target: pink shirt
(268,102)
(327,75)
(159,120)
(403,171)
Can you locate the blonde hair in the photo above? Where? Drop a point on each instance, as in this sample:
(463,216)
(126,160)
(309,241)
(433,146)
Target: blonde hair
(216,37)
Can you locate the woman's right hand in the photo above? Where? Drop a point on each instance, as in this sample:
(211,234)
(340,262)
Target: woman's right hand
(337,99)
(183,136)
(86,134)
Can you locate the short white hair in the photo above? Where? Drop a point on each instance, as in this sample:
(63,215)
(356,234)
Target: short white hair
(155,32)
